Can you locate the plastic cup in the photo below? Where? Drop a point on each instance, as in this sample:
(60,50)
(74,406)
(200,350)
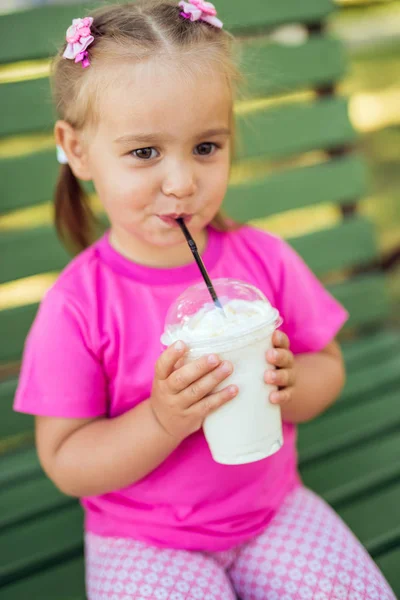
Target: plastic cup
(248,427)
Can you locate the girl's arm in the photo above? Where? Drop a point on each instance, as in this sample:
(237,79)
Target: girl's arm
(88,457)
(310,382)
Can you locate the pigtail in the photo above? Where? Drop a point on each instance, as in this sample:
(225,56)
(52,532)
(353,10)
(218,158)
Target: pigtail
(74,219)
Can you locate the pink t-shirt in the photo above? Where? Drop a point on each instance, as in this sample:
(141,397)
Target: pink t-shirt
(91,352)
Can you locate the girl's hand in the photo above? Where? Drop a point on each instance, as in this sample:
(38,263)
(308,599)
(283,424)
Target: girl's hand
(182,396)
(283,376)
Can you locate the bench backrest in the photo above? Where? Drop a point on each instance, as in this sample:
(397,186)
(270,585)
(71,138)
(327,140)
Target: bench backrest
(294,152)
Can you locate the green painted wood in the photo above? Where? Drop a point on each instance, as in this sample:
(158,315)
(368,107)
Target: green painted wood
(375,518)
(31,251)
(14,326)
(27,180)
(28,25)
(335,181)
(18,466)
(340,430)
(25,107)
(267,14)
(38,250)
(366,299)
(389,565)
(278,69)
(375,374)
(11,422)
(298,127)
(355,470)
(30,546)
(28,500)
(383,343)
(61,582)
(341,247)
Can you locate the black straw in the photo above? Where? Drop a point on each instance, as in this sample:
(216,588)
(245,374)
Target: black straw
(195,252)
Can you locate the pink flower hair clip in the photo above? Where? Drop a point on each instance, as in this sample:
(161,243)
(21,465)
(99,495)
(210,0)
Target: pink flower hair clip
(79,37)
(198,10)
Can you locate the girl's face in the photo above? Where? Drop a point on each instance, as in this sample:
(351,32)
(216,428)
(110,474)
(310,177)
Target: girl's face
(161,150)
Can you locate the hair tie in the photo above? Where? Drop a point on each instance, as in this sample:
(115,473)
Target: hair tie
(79,37)
(198,10)
(61,156)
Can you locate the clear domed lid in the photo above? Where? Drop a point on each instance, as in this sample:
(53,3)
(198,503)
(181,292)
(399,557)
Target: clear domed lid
(194,317)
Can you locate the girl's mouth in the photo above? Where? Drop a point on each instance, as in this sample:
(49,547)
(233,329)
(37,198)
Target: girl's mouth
(171,218)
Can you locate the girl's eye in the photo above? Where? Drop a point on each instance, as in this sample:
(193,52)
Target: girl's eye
(144,153)
(205,149)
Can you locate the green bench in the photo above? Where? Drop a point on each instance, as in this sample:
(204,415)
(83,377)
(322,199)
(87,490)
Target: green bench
(294,152)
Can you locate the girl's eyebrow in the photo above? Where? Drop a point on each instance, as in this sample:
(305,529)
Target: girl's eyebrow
(152,137)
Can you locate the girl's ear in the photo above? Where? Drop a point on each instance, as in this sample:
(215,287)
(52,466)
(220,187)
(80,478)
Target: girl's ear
(72,144)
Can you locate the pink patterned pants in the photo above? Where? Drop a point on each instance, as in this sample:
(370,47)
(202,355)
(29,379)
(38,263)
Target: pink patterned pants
(306,553)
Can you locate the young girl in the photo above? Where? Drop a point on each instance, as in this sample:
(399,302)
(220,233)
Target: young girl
(145,94)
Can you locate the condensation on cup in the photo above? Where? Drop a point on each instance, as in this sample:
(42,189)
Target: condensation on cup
(248,427)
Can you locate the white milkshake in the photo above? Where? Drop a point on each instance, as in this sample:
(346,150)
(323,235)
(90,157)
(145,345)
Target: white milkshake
(249,427)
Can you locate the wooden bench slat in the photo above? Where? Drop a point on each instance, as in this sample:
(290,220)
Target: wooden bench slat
(340,247)
(389,565)
(43,496)
(298,127)
(30,251)
(36,186)
(336,181)
(25,107)
(14,326)
(27,25)
(11,422)
(279,69)
(355,470)
(375,517)
(62,582)
(383,343)
(268,14)
(29,546)
(365,297)
(374,375)
(18,465)
(334,431)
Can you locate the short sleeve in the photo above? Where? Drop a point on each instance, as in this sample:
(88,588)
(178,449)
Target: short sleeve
(61,375)
(312,316)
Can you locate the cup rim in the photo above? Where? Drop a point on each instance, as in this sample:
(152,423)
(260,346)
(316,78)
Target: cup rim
(275,321)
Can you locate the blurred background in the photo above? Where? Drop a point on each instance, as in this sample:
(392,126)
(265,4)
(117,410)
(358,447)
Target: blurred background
(370,31)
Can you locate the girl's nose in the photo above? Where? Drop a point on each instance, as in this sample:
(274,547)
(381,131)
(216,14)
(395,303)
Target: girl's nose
(179,182)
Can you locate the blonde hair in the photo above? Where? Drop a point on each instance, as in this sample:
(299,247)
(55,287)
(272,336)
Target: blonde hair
(125,32)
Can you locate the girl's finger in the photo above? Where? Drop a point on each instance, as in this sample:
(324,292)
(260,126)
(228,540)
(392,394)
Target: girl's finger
(280,340)
(213,401)
(279,377)
(206,385)
(281,397)
(189,373)
(280,358)
(168,359)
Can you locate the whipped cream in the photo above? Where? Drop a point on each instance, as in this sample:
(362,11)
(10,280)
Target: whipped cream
(210,322)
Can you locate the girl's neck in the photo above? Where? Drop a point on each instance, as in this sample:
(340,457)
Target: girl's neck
(154,256)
